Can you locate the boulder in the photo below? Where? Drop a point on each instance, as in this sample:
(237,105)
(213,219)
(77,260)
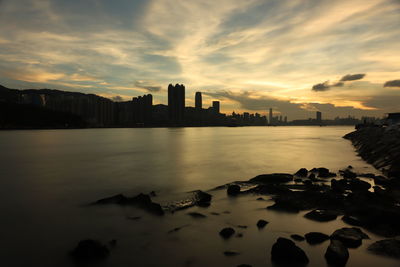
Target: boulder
(325,173)
(233,190)
(321,215)
(285,251)
(316,238)
(273,178)
(350,237)
(352,220)
(359,185)
(303,172)
(261,224)
(386,247)
(89,250)
(297,237)
(336,254)
(227,232)
(201,198)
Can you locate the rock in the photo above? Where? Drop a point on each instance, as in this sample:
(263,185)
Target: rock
(386,247)
(297,237)
(321,215)
(350,237)
(274,178)
(352,220)
(196,215)
(233,190)
(308,182)
(268,189)
(260,199)
(89,250)
(214,213)
(298,180)
(348,174)
(227,232)
(336,254)
(242,226)
(141,201)
(381,180)
(303,172)
(231,253)
(324,173)
(311,176)
(261,224)
(201,198)
(367,175)
(286,207)
(285,251)
(316,238)
(359,185)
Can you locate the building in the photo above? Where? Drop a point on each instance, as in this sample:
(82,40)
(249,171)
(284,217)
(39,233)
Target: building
(215,106)
(319,116)
(142,108)
(198,101)
(270,116)
(176,103)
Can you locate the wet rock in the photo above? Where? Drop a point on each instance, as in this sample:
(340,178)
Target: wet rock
(230,253)
(176,229)
(214,213)
(298,180)
(367,175)
(196,198)
(321,215)
(242,226)
(274,178)
(311,176)
(268,189)
(350,237)
(380,180)
(308,182)
(197,215)
(141,201)
(285,251)
(227,232)
(201,198)
(336,254)
(359,185)
(352,220)
(348,174)
(297,237)
(233,190)
(386,247)
(285,207)
(261,224)
(89,250)
(316,238)
(303,172)
(325,173)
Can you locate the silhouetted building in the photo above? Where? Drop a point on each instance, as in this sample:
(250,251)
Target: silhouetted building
(142,108)
(270,116)
(198,101)
(215,106)
(319,116)
(176,103)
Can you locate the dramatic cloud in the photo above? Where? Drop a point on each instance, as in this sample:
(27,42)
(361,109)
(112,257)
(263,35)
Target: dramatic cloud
(149,86)
(352,77)
(393,83)
(321,87)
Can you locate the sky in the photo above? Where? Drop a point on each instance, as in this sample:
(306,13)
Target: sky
(338,57)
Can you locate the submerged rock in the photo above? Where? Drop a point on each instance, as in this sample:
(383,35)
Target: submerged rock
(321,215)
(227,232)
(316,238)
(297,237)
(230,253)
(261,224)
(273,178)
(350,237)
(285,251)
(233,190)
(336,254)
(88,250)
(386,247)
(197,215)
(141,201)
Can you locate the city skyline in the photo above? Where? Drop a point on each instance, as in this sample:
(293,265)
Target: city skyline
(338,57)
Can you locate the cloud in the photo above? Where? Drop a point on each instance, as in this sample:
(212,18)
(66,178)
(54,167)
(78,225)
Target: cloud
(117,98)
(393,83)
(320,87)
(148,85)
(352,77)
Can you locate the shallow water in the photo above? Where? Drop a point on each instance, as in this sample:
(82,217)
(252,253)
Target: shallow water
(47,177)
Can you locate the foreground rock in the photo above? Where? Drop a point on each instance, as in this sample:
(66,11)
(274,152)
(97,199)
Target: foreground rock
(285,251)
(297,237)
(261,224)
(350,237)
(336,254)
(314,238)
(273,178)
(233,190)
(227,232)
(387,247)
(196,198)
(141,201)
(90,250)
(321,215)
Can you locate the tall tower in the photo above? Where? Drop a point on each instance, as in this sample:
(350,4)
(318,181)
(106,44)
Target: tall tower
(270,116)
(319,116)
(215,106)
(198,101)
(176,103)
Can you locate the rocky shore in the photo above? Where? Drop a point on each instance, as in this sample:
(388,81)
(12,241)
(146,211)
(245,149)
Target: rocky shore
(379,146)
(325,196)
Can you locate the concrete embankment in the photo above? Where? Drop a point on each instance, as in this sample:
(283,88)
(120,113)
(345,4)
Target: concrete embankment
(378,146)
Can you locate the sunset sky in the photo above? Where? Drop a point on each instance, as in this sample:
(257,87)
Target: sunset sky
(339,57)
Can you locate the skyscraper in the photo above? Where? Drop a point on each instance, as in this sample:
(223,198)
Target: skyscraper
(176,103)
(215,105)
(270,116)
(319,116)
(198,101)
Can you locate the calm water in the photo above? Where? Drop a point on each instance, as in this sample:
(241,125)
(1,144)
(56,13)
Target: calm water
(46,178)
